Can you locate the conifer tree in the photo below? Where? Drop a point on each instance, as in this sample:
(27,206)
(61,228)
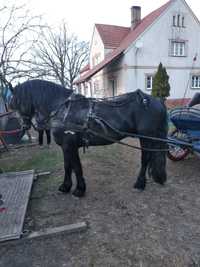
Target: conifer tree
(161,86)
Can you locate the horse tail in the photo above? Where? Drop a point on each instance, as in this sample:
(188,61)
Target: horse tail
(157,162)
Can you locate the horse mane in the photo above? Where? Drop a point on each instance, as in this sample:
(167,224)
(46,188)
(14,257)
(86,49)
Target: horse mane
(119,100)
(124,99)
(40,94)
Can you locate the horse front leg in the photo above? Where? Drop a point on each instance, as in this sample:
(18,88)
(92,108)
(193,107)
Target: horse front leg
(141,180)
(77,168)
(65,187)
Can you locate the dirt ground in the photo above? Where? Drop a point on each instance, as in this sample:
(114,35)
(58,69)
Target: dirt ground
(157,227)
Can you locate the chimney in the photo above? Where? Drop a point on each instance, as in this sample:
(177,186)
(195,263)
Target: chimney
(135,16)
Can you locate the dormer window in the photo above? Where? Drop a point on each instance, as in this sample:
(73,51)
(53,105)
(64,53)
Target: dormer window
(178,20)
(174,21)
(183,22)
(96,59)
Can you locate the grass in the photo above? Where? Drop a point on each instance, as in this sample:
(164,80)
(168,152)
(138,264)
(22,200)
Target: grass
(34,158)
(52,159)
(39,160)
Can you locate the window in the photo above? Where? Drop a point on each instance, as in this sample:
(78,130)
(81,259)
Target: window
(96,59)
(183,22)
(178,20)
(113,86)
(149,81)
(195,82)
(177,48)
(96,87)
(174,21)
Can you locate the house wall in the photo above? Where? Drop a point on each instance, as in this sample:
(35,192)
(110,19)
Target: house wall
(153,48)
(144,55)
(114,72)
(96,49)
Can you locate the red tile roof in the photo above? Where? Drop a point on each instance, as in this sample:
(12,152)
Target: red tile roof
(112,35)
(130,38)
(179,102)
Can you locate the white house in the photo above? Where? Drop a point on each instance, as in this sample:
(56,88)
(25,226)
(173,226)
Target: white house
(123,59)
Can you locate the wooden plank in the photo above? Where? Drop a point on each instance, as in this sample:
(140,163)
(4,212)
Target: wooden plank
(3,142)
(15,190)
(22,146)
(71,228)
(43,173)
(37,175)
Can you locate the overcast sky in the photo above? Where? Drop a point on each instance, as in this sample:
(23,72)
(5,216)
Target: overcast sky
(81,15)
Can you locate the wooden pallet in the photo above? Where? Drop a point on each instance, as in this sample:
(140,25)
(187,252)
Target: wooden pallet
(15,191)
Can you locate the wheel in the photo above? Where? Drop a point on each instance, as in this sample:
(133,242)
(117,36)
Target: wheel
(177,153)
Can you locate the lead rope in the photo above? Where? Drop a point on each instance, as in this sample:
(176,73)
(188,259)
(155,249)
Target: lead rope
(187,85)
(125,144)
(86,125)
(188,82)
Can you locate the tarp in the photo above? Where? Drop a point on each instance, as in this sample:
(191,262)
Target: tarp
(2,105)
(6,95)
(10,128)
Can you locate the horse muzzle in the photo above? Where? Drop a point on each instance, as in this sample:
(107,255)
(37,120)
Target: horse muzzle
(26,127)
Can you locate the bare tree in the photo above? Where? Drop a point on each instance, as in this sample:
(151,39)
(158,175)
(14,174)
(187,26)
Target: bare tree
(60,55)
(19,30)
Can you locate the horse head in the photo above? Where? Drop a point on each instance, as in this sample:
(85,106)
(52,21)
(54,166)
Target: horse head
(25,110)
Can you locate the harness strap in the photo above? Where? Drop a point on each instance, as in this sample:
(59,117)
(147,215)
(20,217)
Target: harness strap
(89,116)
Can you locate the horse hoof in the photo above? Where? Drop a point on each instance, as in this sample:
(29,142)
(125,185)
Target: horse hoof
(139,186)
(78,193)
(160,181)
(64,189)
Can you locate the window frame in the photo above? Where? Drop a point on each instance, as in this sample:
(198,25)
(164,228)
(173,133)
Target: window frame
(96,87)
(178,20)
(147,75)
(198,81)
(176,46)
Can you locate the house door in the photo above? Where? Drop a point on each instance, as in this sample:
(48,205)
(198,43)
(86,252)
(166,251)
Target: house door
(113,87)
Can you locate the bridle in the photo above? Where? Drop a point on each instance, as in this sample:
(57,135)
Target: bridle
(48,117)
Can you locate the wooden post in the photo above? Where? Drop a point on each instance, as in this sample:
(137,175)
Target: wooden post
(3,142)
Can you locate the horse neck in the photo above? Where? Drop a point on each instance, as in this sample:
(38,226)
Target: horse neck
(53,104)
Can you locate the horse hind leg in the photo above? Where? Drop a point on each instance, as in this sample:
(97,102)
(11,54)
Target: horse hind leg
(157,166)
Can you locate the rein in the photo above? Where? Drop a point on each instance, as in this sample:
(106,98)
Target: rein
(125,144)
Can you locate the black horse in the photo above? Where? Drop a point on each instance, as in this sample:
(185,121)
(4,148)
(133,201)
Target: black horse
(95,123)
